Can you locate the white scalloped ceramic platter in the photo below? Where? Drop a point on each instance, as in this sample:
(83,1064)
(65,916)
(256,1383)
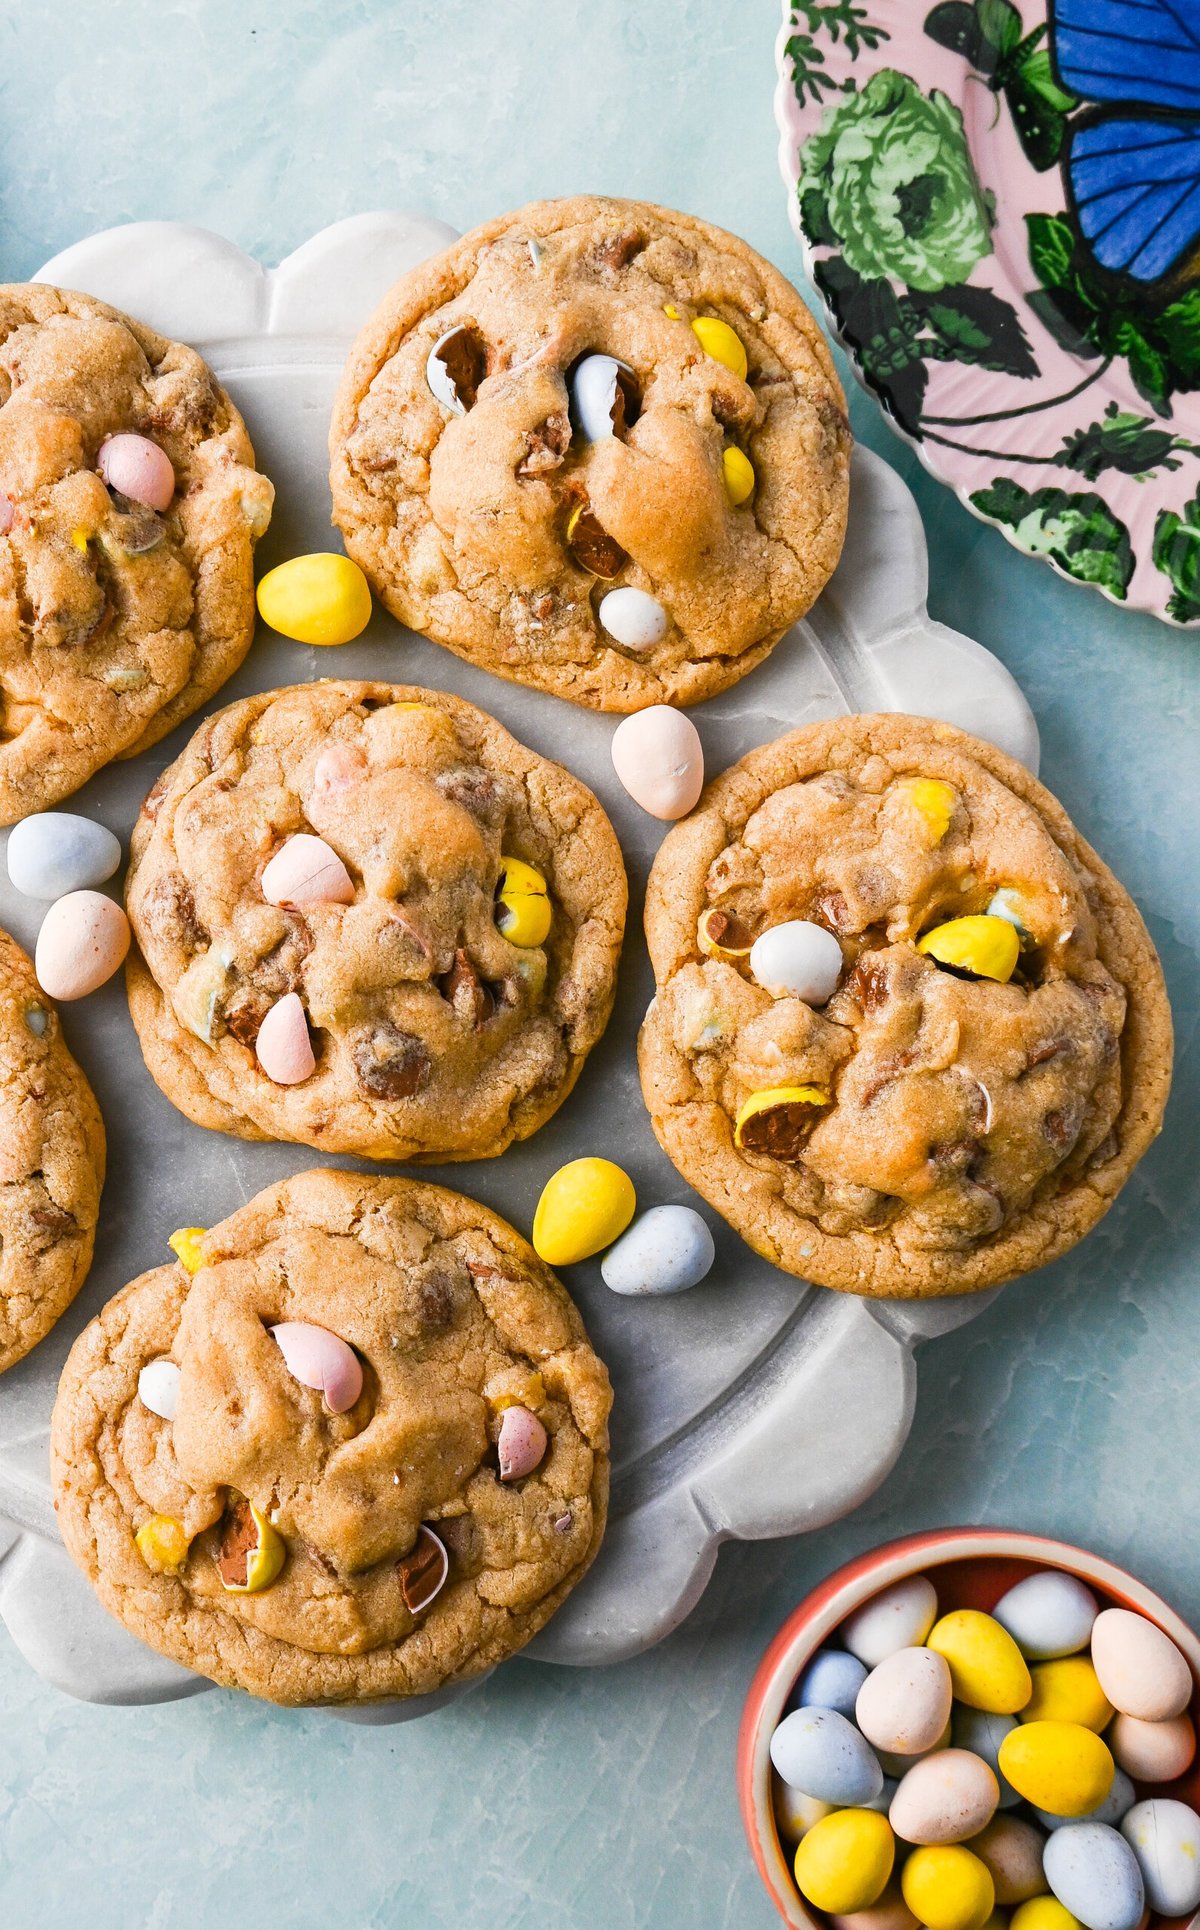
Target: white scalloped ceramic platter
(733,1401)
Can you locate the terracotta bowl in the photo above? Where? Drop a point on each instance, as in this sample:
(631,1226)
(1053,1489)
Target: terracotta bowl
(971,1568)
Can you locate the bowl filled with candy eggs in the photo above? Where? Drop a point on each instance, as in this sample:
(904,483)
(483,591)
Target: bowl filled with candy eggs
(977,1729)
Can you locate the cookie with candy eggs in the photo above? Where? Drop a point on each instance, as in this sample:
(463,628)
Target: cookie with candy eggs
(353,1445)
(52,1153)
(598,447)
(370,920)
(129,510)
(910,1034)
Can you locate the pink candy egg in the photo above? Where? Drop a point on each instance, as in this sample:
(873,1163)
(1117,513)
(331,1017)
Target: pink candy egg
(659,759)
(137,468)
(317,1358)
(337,769)
(891,1912)
(283,1047)
(944,1798)
(307,871)
(1153,1752)
(904,1704)
(1140,1669)
(83,940)
(522,1443)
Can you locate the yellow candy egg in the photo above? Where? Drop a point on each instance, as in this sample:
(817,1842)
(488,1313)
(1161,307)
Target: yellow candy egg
(1068,1690)
(1043,1913)
(844,1862)
(321,598)
(584,1207)
(252,1551)
(985,946)
(717,339)
(778,1119)
(738,473)
(987,1668)
(947,1888)
(523,911)
(185,1243)
(934,802)
(1059,1766)
(162,1544)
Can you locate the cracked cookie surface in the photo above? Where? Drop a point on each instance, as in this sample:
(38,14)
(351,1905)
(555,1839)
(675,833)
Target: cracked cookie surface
(957,1130)
(51,1162)
(453,1319)
(435,1035)
(116,621)
(461,520)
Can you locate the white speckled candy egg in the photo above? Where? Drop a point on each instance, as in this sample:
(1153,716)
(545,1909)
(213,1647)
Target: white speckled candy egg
(1141,1671)
(158,1387)
(596,385)
(797,960)
(633,618)
(1048,1615)
(658,756)
(832,1680)
(664,1251)
(818,1751)
(82,942)
(982,1731)
(1164,1835)
(1092,1870)
(55,852)
(795,1813)
(1120,1799)
(1153,1752)
(898,1618)
(904,1704)
(944,1798)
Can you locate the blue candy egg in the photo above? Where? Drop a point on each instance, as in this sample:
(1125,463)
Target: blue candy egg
(53,853)
(832,1680)
(818,1751)
(1093,1872)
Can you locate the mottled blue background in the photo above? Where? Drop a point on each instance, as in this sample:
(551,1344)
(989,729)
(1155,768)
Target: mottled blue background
(558,1798)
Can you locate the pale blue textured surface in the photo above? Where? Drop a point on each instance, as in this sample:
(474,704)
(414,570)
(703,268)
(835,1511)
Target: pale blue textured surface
(563,1798)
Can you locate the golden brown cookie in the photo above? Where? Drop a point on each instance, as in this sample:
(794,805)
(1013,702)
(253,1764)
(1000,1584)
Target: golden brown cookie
(972,1097)
(117,619)
(372,1540)
(497,514)
(51,1162)
(454,969)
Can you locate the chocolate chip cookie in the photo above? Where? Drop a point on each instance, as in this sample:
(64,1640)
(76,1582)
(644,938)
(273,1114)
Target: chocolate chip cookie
(51,1162)
(129,510)
(966,1093)
(288,1460)
(597,447)
(368,919)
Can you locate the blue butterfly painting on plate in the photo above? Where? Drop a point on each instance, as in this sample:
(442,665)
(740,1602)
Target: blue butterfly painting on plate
(1133,161)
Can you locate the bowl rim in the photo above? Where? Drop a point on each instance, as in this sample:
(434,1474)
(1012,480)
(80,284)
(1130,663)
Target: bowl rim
(837,1596)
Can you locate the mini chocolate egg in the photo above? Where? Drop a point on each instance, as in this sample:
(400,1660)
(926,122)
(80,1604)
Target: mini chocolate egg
(1092,1869)
(633,618)
(283,1047)
(56,852)
(948,1887)
(1011,1850)
(832,1680)
(138,469)
(82,942)
(900,1617)
(1120,1799)
(1048,1615)
(1043,1913)
(1164,1835)
(1141,1671)
(844,1862)
(603,396)
(982,1732)
(986,1666)
(1059,1766)
(666,1250)
(522,1444)
(945,1798)
(904,1704)
(306,871)
(891,1912)
(1153,1752)
(658,756)
(584,1207)
(797,960)
(320,1360)
(795,1813)
(818,1751)
(158,1387)
(1068,1690)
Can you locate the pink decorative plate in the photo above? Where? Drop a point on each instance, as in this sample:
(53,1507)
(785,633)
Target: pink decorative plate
(999,201)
